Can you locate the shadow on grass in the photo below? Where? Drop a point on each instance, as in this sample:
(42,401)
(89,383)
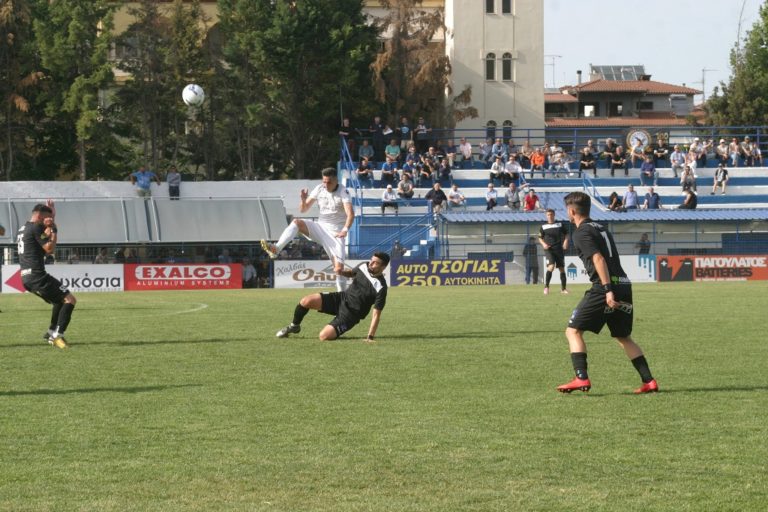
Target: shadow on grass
(713,389)
(120,343)
(129,390)
(467,335)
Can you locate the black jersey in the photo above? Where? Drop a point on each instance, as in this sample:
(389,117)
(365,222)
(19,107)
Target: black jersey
(366,291)
(554,235)
(30,239)
(590,238)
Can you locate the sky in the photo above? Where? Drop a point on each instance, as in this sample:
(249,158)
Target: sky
(674,39)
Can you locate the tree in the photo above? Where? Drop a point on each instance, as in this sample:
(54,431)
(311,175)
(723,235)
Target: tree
(17,77)
(744,99)
(74,38)
(412,73)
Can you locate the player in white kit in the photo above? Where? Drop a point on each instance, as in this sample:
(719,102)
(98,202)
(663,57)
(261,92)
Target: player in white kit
(332,225)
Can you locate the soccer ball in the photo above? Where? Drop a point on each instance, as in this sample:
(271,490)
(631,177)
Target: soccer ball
(193,95)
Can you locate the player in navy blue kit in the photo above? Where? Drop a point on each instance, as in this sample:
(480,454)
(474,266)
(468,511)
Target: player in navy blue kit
(368,290)
(553,237)
(608,301)
(37,239)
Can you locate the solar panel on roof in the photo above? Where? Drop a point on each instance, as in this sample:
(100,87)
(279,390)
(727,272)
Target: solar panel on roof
(618,72)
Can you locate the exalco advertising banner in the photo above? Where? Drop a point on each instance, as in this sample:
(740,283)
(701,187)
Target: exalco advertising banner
(447,272)
(166,276)
(640,268)
(309,273)
(739,267)
(77,278)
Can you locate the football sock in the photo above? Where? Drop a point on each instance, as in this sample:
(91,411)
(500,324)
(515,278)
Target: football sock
(55,316)
(289,234)
(641,365)
(65,315)
(299,313)
(548,279)
(562,280)
(579,360)
(342,283)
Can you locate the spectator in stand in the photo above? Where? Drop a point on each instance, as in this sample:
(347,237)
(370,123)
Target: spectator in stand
(559,163)
(499,149)
(512,197)
(405,187)
(531,201)
(393,151)
(609,151)
(734,152)
(407,169)
(538,161)
(422,133)
(444,172)
(74,257)
(389,172)
(497,170)
(688,179)
(412,157)
(677,160)
(345,132)
(690,202)
(364,171)
(722,152)
(512,172)
(703,151)
(513,153)
(525,155)
(388,199)
(143,179)
(652,200)
(721,180)
(660,150)
(377,138)
(491,197)
(101,257)
(249,274)
(427,170)
(614,203)
(173,178)
(587,162)
(757,155)
(486,153)
(437,198)
(449,150)
(637,153)
(745,148)
(465,153)
(365,151)
(531,254)
(648,172)
(224,257)
(398,251)
(592,148)
(405,133)
(630,200)
(619,161)
(456,199)
(643,245)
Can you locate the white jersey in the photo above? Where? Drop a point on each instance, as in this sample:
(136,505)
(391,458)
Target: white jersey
(331,205)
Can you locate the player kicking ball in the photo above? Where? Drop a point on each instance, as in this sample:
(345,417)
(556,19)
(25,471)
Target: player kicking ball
(36,239)
(368,290)
(608,301)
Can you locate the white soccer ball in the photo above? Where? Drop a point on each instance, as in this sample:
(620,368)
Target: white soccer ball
(193,95)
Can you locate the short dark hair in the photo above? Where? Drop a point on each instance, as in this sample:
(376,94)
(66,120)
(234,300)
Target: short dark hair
(383,257)
(329,172)
(580,202)
(550,210)
(42,208)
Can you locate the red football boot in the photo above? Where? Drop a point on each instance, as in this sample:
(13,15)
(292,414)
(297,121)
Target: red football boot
(574,385)
(648,387)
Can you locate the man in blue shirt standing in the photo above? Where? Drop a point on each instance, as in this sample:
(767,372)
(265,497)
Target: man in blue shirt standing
(648,172)
(143,181)
(652,200)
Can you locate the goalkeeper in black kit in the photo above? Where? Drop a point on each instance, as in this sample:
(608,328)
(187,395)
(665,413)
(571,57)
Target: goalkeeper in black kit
(368,290)
(608,301)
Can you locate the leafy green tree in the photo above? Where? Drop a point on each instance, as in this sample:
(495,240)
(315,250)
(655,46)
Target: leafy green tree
(74,38)
(744,99)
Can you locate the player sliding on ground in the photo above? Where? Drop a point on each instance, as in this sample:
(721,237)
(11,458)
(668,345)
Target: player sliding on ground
(368,289)
(36,239)
(331,228)
(608,301)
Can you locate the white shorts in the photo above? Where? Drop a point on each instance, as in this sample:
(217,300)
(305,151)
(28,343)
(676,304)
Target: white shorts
(325,235)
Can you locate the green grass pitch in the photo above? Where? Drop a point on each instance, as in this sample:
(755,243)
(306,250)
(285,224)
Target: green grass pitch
(185,401)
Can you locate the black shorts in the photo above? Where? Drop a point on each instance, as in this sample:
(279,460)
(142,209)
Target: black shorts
(344,319)
(45,286)
(592,313)
(556,258)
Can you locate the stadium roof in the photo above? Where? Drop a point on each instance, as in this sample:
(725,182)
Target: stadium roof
(713,215)
(610,122)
